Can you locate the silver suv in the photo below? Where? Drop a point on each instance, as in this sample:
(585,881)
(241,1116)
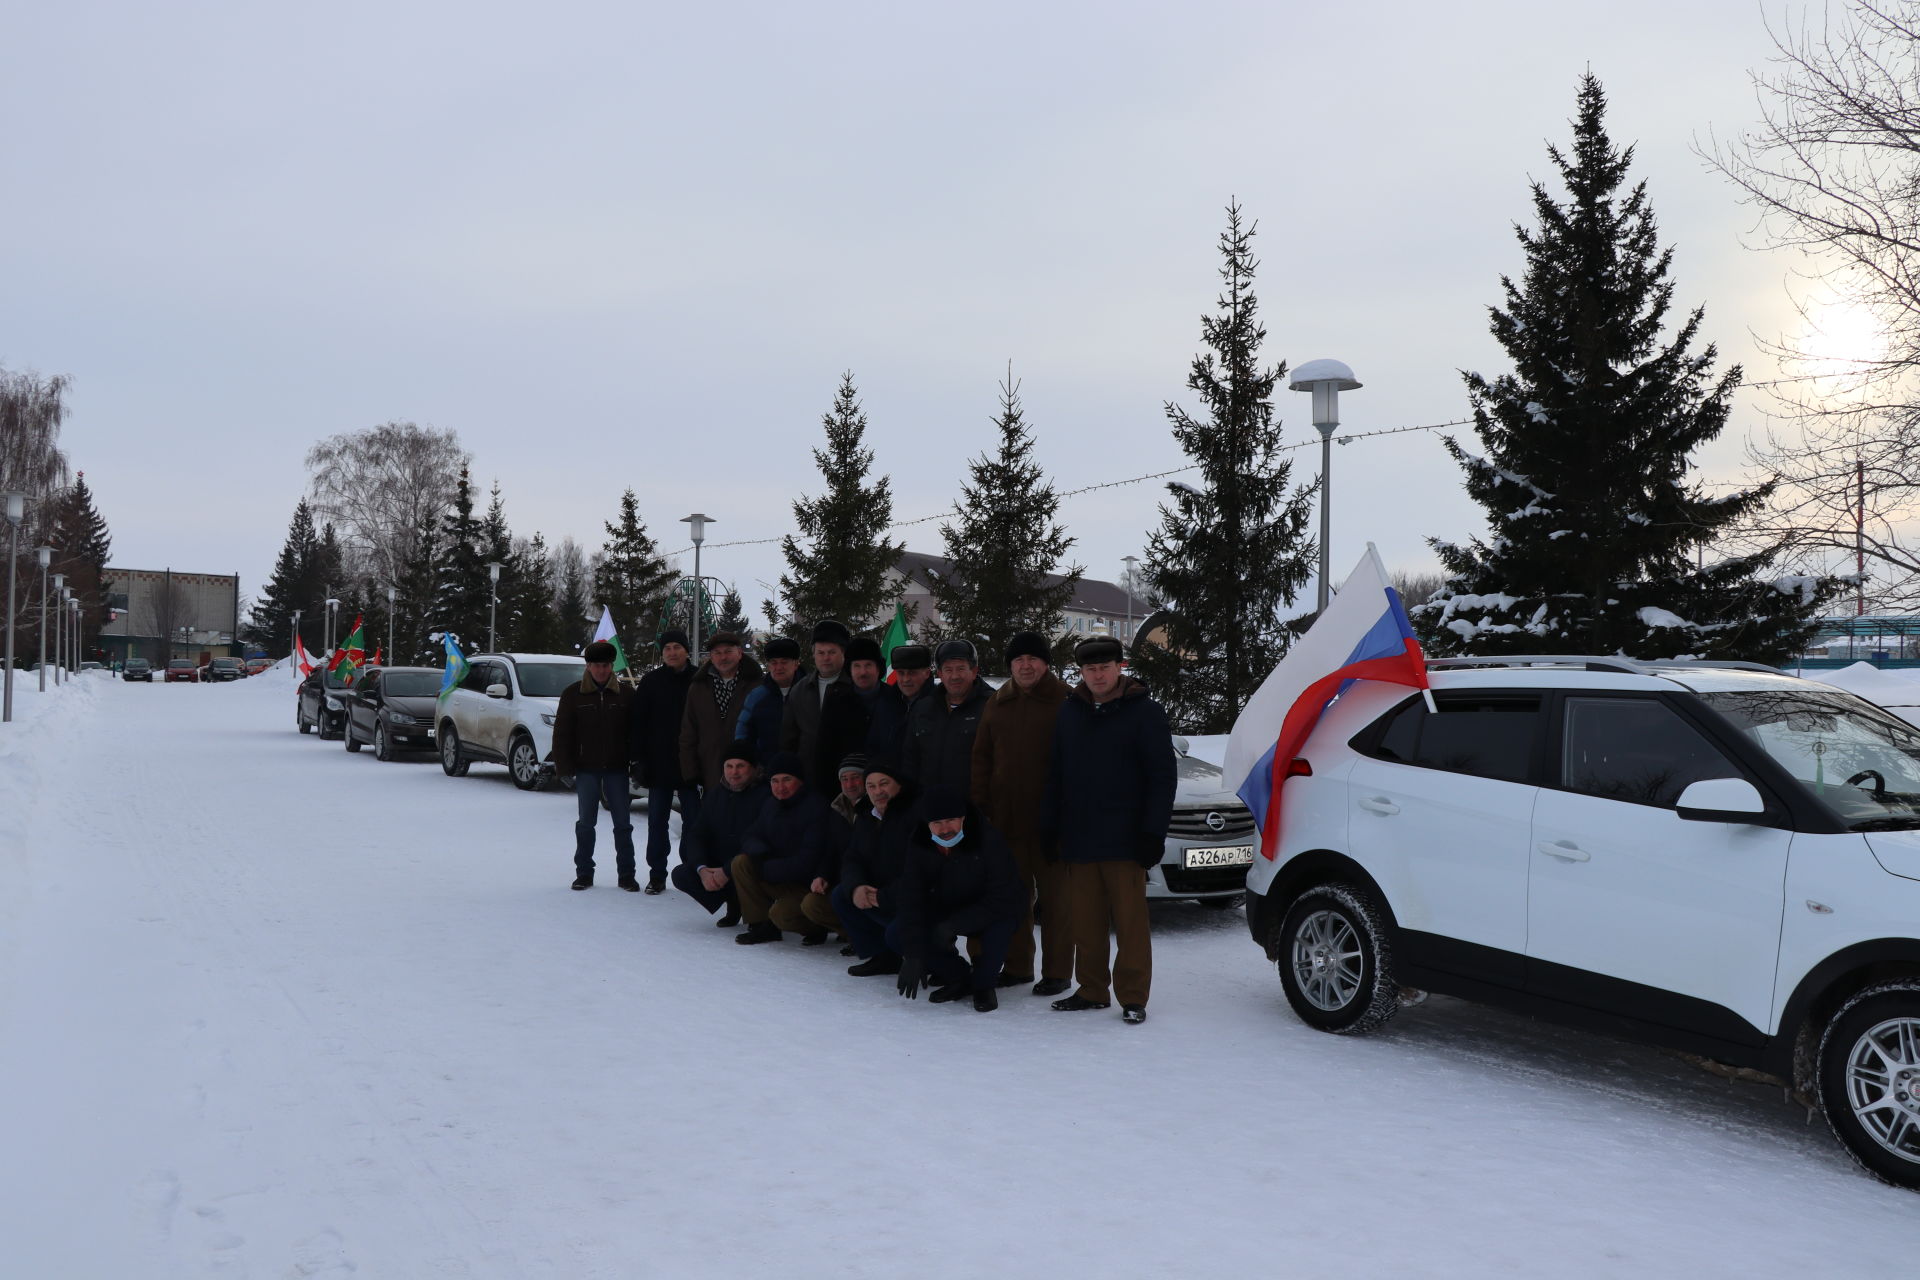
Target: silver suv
(1721,861)
(1210,841)
(502,713)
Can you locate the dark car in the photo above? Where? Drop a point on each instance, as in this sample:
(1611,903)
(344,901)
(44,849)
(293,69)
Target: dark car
(324,706)
(181,669)
(222,670)
(392,708)
(137,669)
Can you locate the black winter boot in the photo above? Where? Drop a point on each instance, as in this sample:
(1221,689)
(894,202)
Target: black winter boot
(952,991)
(985,1001)
(765,931)
(882,965)
(583,882)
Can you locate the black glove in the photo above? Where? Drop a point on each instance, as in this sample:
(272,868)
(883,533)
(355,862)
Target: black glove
(912,970)
(1148,849)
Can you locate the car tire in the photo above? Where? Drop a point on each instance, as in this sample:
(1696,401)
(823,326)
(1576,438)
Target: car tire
(451,762)
(382,744)
(1869,1080)
(300,723)
(346,731)
(1336,966)
(523,762)
(329,728)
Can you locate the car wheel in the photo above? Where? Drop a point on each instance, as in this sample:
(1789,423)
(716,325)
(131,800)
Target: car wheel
(450,762)
(1870,1080)
(329,728)
(346,731)
(382,744)
(524,763)
(300,722)
(1335,967)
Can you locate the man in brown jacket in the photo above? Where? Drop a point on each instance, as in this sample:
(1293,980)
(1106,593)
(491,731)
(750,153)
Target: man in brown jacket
(1010,753)
(594,746)
(714,700)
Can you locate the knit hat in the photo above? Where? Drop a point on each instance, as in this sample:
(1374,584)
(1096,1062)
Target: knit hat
(674,635)
(600,651)
(785,762)
(1029,644)
(943,801)
(891,768)
(740,749)
(1098,649)
(783,647)
(854,762)
(827,631)
(960,650)
(863,649)
(912,657)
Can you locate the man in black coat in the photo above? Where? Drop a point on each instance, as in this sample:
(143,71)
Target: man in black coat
(875,856)
(912,666)
(780,855)
(940,728)
(960,880)
(594,746)
(659,705)
(824,718)
(710,843)
(766,703)
(1108,802)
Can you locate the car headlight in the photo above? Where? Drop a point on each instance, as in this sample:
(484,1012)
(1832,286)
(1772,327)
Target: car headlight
(333,703)
(546,718)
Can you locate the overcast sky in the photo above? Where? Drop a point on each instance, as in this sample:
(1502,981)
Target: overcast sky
(633,245)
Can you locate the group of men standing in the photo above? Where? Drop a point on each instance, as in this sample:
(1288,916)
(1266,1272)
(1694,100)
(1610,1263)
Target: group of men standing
(900,815)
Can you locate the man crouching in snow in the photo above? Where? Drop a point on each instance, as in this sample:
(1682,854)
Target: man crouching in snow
(960,880)
(711,842)
(780,856)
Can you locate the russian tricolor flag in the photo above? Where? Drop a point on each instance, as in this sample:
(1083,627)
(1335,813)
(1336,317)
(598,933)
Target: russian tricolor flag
(1363,635)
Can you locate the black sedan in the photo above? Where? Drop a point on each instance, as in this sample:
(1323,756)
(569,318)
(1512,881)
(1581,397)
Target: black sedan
(391,708)
(137,669)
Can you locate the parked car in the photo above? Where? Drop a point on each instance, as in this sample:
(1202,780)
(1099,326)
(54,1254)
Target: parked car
(502,712)
(320,703)
(1724,862)
(254,666)
(181,669)
(1210,842)
(222,670)
(91,666)
(137,669)
(392,709)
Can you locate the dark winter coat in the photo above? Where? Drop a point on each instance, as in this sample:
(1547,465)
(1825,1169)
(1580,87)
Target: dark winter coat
(1110,780)
(877,850)
(707,726)
(658,703)
(963,890)
(789,838)
(594,728)
(760,717)
(1011,753)
(715,838)
(823,733)
(939,749)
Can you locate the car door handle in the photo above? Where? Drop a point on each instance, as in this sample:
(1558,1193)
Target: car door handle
(1561,849)
(1379,804)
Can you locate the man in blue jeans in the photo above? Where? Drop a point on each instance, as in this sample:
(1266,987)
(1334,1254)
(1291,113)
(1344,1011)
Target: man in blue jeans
(659,705)
(594,744)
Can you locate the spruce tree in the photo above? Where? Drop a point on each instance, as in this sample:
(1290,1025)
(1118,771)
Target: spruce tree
(841,570)
(460,585)
(1235,548)
(573,597)
(291,589)
(415,598)
(634,580)
(1003,544)
(537,628)
(82,549)
(1597,541)
(733,614)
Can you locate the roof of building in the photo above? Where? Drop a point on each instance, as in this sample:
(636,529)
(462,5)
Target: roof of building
(1091,595)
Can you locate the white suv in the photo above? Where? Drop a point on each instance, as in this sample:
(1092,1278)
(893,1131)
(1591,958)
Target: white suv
(503,712)
(1722,861)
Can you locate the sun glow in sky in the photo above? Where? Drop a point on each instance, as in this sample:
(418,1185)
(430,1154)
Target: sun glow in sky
(1840,337)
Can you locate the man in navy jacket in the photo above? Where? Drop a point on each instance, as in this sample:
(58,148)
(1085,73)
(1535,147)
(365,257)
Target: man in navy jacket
(780,856)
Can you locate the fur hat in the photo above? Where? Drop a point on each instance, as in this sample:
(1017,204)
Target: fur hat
(600,651)
(912,657)
(827,631)
(719,638)
(1029,644)
(956,650)
(943,801)
(863,649)
(674,635)
(785,762)
(739,749)
(782,647)
(1098,649)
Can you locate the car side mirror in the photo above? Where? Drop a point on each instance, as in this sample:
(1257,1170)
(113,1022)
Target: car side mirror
(1721,800)
(1179,745)
(497,691)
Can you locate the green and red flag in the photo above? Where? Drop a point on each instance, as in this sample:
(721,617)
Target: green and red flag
(350,656)
(896,635)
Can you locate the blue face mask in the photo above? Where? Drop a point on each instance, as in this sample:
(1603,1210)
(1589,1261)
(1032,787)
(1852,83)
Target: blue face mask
(947,842)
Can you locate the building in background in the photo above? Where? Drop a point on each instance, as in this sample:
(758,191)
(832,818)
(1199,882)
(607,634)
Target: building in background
(1097,608)
(160,614)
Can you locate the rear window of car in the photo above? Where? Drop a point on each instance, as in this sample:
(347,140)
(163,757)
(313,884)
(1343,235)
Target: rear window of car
(1486,736)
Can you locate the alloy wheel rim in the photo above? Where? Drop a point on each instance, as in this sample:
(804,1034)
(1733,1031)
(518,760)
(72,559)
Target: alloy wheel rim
(523,762)
(1883,1085)
(1327,961)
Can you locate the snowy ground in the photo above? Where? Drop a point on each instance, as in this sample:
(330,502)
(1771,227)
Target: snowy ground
(270,1010)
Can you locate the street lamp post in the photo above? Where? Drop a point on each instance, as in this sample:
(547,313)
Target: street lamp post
(391,593)
(45,555)
(59,625)
(1326,379)
(73,607)
(332,606)
(16,511)
(493,599)
(1132,563)
(699,523)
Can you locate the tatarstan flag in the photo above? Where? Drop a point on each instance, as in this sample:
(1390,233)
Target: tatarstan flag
(896,635)
(351,654)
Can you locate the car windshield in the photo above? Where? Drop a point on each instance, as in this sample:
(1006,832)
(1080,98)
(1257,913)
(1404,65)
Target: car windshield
(136,664)
(410,684)
(224,663)
(1860,762)
(180,662)
(547,679)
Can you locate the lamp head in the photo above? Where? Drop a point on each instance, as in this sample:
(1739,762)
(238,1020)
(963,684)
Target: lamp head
(16,507)
(493,570)
(1326,379)
(699,523)
(59,581)
(45,555)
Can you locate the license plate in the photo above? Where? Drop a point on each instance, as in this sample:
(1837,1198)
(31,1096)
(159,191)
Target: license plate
(1239,855)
